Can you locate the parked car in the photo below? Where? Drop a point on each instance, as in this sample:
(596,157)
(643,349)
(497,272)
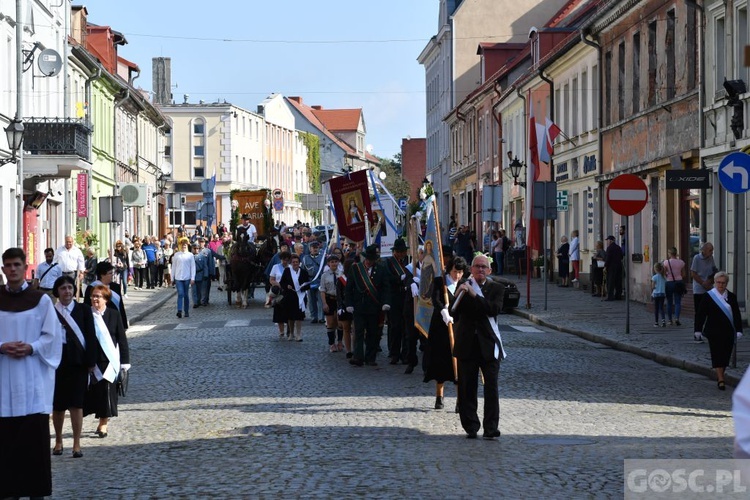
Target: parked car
(512,296)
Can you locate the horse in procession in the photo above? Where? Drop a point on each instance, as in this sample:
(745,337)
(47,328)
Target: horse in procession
(247,263)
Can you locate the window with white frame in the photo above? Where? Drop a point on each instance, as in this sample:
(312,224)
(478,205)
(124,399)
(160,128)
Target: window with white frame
(585,93)
(594,92)
(574,107)
(741,43)
(719,53)
(199,150)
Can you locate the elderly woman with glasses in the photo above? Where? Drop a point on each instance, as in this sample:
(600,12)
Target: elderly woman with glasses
(718,319)
(112,356)
(105,273)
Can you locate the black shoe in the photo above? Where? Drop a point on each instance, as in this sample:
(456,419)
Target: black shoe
(722,386)
(471,435)
(356,362)
(409,370)
(187,314)
(393,361)
(491,435)
(179,314)
(101,434)
(77,454)
(196,306)
(439,403)
(57,453)
(349,355)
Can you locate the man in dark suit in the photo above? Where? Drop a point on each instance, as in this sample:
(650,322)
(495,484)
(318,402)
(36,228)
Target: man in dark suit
(399,277)
(367,294)
(478,347)
(613,267)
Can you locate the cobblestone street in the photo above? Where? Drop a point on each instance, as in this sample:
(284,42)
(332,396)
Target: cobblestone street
(218,406)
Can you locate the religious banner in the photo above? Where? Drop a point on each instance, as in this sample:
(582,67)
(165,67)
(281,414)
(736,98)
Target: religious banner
(383,231)
(432,267)
(251,203)
(351,201)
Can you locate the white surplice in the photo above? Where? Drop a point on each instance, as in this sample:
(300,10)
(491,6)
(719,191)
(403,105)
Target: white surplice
(27,385)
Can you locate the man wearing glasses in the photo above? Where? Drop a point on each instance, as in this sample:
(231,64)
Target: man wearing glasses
(478,346)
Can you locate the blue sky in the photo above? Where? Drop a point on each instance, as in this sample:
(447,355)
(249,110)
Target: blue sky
(335,53)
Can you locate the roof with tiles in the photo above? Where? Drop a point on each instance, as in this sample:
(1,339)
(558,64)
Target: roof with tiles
(309,113)
(338,120)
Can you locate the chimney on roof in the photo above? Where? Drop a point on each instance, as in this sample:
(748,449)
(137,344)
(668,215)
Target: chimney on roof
(297,99)
(317,107)
(161,75)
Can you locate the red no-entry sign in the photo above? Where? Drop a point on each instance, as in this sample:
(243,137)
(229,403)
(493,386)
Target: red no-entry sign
(627,194)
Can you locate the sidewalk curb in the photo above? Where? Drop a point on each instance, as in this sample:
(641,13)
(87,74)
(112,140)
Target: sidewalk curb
(153,307)
(663,359)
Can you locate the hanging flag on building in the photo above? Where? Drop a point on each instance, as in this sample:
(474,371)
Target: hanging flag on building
(551,131)
(351,201)
(536,140)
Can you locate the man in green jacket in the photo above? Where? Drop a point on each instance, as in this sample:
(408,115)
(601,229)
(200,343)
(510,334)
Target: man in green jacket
(367,296)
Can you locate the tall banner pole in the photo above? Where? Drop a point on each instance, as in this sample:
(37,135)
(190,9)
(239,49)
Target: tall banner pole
(445,288)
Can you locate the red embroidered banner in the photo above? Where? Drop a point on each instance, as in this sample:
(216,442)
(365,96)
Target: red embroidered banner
(351,201)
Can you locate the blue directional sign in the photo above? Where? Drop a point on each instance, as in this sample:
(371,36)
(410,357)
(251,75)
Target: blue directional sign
(734,173)
(402,204)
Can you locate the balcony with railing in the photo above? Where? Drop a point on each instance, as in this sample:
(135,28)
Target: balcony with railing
(57,137)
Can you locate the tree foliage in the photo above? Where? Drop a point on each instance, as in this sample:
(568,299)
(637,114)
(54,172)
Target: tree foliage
(312,142)
(394,181)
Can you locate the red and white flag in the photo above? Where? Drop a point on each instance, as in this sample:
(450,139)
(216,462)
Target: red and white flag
(536,141)
(551,131)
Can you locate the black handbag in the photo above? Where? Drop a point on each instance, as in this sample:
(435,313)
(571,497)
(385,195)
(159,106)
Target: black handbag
(679,285)
(122,383)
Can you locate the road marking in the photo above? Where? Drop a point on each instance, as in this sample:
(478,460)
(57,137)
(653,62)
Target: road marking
(234,323)
(527,329)
(186,326)
(141,328)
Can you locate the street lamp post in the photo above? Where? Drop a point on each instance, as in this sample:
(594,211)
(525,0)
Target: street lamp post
(515,171)
(14,134)
(19,117)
